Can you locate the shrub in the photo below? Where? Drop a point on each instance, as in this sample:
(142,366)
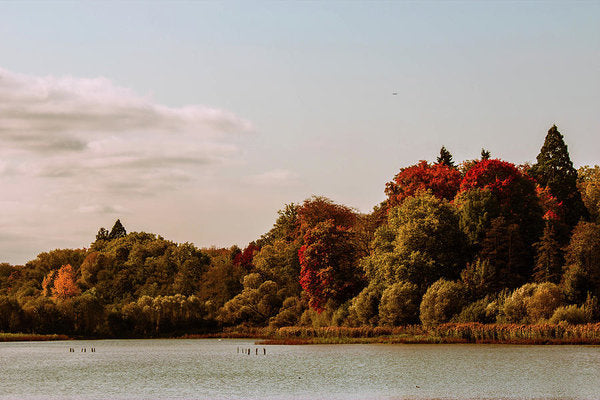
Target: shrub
(442,301)
(478,311)
(531,303)
(364,308)
(572,314)
(399,304)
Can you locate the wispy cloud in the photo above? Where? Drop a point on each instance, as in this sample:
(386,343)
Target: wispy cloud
(48,114)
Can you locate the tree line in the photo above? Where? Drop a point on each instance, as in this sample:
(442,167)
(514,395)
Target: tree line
(483,240)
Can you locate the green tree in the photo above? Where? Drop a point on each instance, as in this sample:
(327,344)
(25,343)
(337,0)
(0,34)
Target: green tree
(256,304)
(278,261)
(102,234)
(588,183)
(421,243)
(479,278)
(554,169)
(583,262)
(549,259)
(507,254)
(477,207)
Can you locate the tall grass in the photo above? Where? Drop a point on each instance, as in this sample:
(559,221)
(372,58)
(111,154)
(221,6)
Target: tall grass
(29,337)
(561,333)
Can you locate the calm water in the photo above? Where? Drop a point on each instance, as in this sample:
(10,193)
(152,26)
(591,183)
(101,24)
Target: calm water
(212,369)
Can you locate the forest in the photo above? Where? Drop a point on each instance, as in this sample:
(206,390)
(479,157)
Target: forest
(480,241)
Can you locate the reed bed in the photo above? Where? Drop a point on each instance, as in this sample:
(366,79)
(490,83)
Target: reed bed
(445,333)
(30,337)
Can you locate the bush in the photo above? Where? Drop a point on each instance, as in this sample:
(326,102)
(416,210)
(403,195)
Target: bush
(479,311)
(572,314)
(364,308)
(399,304)
(442,301)
(531,303)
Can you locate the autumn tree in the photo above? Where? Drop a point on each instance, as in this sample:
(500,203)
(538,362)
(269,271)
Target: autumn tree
(245,257)
(514,196)
(328,264)
(320,209)
(555,170)
(442,180)
(64,283)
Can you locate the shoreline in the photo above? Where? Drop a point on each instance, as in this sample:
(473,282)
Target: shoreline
(450,333)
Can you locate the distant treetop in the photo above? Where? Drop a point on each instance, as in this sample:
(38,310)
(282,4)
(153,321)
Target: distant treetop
(445,157)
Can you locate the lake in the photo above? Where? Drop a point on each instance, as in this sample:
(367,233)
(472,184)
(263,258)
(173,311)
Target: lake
(217,369)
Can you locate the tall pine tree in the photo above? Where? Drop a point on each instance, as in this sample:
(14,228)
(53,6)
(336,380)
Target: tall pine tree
(554,169)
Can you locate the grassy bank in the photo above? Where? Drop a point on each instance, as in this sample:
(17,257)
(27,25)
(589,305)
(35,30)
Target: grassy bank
(414,334)
(446,333)
(29,337)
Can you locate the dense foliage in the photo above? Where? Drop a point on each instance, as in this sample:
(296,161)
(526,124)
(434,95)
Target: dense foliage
(484,241)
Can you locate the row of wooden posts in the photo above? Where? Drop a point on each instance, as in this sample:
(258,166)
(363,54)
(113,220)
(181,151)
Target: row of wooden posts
(83,350)
(247,351)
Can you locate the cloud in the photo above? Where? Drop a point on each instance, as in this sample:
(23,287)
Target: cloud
(52,114)
(90,134)
(276,177)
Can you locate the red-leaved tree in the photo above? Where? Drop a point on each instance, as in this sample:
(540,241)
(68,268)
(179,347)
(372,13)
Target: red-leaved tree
(442,180)
(328,268)
(515,191)
(245,258)
(519,211)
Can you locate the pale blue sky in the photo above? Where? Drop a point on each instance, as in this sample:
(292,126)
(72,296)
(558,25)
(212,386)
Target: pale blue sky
(305,93)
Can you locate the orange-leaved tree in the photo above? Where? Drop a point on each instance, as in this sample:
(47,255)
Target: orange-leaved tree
(64,284)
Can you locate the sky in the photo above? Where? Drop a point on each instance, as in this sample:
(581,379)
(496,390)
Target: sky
(199,120)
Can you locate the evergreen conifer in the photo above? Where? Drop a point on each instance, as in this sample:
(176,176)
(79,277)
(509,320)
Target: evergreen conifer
(117,231)
(554,169)
(445,157)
